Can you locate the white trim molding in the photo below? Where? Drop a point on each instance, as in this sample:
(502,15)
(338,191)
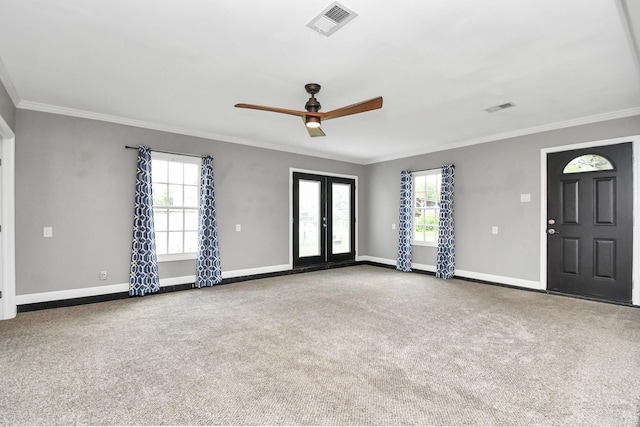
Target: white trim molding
(635,140)
(71,112)
(621,114)
(6,80)
(464,274)
(53,109)
(124,287)
(7,201)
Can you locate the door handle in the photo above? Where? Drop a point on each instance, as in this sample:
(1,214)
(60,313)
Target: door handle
(552,231)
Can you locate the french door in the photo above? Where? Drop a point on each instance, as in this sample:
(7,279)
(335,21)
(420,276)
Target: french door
(590,222)
(324,219)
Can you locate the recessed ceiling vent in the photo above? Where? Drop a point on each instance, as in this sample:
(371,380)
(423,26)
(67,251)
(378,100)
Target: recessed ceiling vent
(334,17)
(499,107)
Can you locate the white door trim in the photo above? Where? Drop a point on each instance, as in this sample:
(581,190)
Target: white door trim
(8,285)
(290,213)
(635,140)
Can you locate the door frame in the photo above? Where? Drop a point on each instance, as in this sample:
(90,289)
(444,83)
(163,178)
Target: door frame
(8,307)
(290,213)
(635,142)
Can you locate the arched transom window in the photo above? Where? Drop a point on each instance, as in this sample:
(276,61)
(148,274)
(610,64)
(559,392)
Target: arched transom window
(588,163)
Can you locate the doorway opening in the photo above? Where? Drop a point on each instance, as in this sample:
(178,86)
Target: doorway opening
(323,218)
(588,243)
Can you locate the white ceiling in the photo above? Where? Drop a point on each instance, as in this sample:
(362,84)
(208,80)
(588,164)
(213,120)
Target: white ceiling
(182,65)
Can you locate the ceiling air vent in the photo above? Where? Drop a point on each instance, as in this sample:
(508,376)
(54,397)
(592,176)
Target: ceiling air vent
(499,107)
(335,16)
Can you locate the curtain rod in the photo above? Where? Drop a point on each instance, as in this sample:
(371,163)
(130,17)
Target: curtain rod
(430,169)
(166,152)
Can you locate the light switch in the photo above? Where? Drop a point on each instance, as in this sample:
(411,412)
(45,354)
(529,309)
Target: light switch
(238,227)
(393,226)
(494,229)
(47,231)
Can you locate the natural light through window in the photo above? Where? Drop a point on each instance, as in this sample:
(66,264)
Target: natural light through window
(175,205)
(426,206)
(588,163)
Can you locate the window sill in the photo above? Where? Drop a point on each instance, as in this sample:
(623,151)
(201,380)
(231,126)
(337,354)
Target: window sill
(427,244)
(177,257)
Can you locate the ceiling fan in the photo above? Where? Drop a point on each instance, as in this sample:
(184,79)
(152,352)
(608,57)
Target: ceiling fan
(312,117)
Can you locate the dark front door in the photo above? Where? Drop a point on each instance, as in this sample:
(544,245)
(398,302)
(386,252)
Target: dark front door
(323,219)
(590,222)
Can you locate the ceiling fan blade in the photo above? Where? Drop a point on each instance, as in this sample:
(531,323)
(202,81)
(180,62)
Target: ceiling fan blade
(359,107)
(313,132)
(273,109)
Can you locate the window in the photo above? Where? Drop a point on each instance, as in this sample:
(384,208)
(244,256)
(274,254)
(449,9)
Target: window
(588,163)
(426,207)
(176,205)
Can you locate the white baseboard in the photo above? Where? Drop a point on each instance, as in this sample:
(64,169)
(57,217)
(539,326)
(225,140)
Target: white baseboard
(124,287)
(254,271)
(512,281)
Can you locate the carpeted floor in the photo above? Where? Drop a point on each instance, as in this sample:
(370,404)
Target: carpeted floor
(359,345)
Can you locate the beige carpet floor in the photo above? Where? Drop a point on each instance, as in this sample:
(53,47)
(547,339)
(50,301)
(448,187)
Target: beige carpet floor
(359,345)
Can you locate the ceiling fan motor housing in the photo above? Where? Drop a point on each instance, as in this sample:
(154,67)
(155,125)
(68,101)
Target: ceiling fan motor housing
(312,105)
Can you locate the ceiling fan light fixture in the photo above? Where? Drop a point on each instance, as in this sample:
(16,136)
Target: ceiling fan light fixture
(312,122)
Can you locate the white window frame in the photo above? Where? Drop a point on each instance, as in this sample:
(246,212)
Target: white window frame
(436,209)
(181,159)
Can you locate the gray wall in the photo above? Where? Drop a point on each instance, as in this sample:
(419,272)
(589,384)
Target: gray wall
(7,109)
(76,176)
(489,180)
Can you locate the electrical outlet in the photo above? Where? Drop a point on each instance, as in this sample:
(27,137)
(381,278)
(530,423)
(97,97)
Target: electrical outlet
(47,232)
(238,227)
(103,275)
(494,229)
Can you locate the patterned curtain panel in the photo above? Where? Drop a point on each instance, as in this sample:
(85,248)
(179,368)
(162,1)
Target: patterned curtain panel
(406,216)
(209,270)
(144,277)
(445,265)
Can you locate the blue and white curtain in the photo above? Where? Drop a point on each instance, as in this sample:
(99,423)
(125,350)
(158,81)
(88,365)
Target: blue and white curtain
(209,270)
(406,216)
(446,259)
(144,277)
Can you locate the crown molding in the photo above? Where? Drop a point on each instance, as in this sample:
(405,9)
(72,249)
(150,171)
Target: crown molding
(8,84)
(47,108)
(630,112)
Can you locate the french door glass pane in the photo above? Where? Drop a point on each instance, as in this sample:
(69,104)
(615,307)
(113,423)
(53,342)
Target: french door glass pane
(309,218)
(341,214)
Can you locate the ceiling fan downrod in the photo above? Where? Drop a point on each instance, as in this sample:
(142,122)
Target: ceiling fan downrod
(312,105)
